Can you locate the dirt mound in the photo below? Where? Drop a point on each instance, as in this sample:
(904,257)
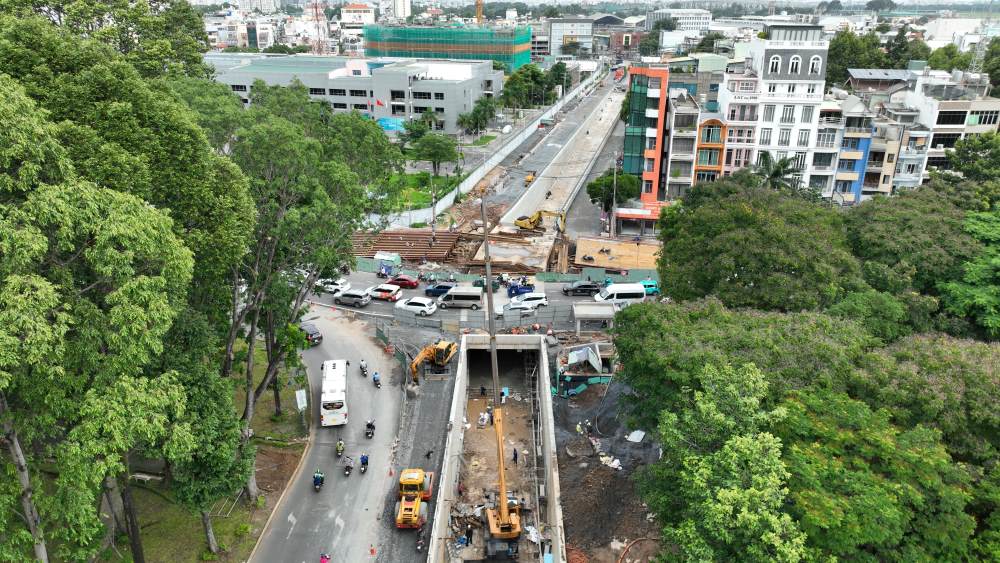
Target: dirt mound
(275,467)
(602,505)
(575,555)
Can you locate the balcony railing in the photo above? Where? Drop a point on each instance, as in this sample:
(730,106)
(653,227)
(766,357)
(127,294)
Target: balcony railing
(858,130)
(796,96)
(771,44)
(822,168)
(739,117)
(831,121)
(827,144)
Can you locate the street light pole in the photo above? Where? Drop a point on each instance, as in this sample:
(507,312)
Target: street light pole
(614,193)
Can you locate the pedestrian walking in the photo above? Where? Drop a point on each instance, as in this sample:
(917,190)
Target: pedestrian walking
(515,456)
(482,390)
(429,454)
(468,534)
(579,428)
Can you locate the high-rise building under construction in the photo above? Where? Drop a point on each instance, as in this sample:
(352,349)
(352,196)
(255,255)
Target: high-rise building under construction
(510,46)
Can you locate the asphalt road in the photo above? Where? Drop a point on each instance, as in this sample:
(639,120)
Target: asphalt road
(364,279)
(583,217)
(346,516)
(545,144)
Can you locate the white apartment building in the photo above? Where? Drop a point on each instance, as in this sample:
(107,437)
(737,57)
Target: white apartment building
(564,31)
(951,106)
(771,102)
(688,19)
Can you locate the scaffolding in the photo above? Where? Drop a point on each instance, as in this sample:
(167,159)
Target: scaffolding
(510,46)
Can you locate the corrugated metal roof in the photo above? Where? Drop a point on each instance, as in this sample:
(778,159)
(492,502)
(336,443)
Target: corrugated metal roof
(878,74)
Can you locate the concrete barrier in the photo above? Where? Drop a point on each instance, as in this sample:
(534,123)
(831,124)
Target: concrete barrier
(426,214)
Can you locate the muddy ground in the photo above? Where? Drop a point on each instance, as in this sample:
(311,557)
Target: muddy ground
(602,510)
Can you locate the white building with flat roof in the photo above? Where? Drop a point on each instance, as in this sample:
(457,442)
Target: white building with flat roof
(688,19)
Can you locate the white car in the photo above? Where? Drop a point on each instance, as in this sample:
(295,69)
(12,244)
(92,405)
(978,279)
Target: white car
(334,287)
(535,299)
(525,309)
(419,305)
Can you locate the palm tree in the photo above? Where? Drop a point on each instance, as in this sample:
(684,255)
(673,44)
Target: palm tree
(776,174)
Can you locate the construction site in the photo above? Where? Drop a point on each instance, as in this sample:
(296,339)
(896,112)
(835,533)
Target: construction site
(527,234)
(510,46)
(475,477)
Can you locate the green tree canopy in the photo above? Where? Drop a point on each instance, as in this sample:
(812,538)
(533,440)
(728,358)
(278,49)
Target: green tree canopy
(707,43)
(922,229)
(664,347)
(435,149)
(666,24)
(602,190)
(949,58)
(863,489)
(848,50)
(649,45)
(753,247)
(976,294)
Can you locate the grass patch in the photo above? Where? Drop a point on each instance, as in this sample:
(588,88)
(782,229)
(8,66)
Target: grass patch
(265,424)
(413,189)
(172,533)
(484,140)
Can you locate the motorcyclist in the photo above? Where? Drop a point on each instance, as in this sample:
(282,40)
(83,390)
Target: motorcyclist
(324,558)
(370,425)
(376,378)
(364,366)
(349,462)
(364,460)
(340,447)
(318,478)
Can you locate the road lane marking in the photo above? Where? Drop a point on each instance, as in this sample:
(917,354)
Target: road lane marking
(293,520)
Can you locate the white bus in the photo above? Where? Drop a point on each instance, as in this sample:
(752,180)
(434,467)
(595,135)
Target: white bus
(333,397)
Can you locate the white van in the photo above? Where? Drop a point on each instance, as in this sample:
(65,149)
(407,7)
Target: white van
(462,296)
(622,294)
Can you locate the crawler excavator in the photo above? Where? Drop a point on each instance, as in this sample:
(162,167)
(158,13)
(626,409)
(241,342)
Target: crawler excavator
(533,222)
(438,353)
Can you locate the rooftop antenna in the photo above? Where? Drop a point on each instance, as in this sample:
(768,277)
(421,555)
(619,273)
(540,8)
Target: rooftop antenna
(976,64)
(319,46)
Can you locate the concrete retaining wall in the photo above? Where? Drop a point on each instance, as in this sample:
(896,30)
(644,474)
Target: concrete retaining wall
(424,215)
(437,545)
(440,542)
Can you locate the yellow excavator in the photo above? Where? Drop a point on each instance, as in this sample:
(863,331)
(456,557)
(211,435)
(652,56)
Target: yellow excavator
(438,353)
(504,517)
(533,222)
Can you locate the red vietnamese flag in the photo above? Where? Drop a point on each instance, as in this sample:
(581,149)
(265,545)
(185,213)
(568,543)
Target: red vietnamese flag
(379,102)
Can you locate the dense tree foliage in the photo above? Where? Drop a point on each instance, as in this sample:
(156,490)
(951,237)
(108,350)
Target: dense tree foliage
(753,247)
(663,349)
(849,50)
(922,229)
(136,198)
(610,186)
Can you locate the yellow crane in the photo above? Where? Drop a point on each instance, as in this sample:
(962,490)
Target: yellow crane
(504,517)
(533,222)
(438,353)
(479,12)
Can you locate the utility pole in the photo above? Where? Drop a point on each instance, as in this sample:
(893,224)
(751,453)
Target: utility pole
(614,194)
(488,288)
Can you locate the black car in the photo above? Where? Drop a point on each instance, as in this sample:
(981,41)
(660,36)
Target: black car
(582,288)
(313,336)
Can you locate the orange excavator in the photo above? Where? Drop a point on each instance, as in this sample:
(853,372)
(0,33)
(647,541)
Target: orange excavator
(438,353)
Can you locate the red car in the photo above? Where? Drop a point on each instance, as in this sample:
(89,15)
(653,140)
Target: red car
(405,281)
